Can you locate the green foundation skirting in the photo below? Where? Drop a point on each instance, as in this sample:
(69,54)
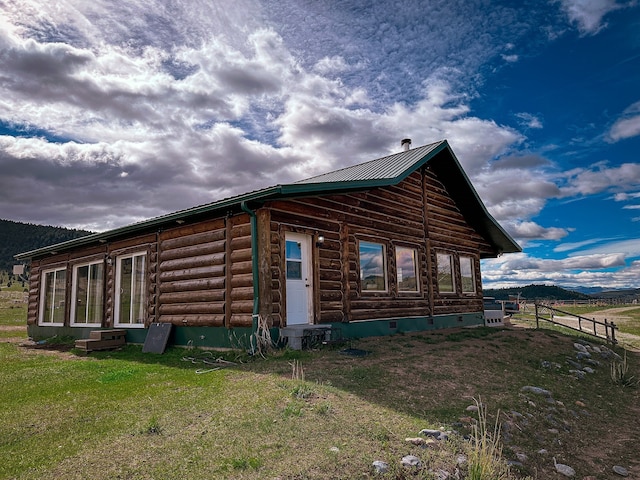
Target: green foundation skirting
(238,338)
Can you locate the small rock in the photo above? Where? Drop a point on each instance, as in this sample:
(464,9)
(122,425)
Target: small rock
(579,347)
(554,431)
(415,440)
(514,463)
(466,420)
(334,449)
(596,349)
(380,467)
(536,390)
(516,414)
(521,457)
(583,355)
(411,461)
(573,363)
(472,408)
(593,363)
(588,370)
(580,404)
(590,477)
(621,471)
(442,474)
(563,469)
(579,374)
(427,432)
(542,451)
(461,459)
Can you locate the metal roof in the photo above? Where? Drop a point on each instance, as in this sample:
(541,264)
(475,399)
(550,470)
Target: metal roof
(385,171)
(391,167)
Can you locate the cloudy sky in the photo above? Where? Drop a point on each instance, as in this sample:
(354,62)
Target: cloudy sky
(113,112)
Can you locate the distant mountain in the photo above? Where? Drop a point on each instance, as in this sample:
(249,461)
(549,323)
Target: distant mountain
(535,292)
(16,237)
(628,293)
(589,290)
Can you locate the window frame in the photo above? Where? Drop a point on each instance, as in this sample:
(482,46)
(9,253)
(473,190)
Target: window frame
(74,293)
(416,270)
(385,268)
(449,256)
(117,297)
(471,263)
(43,296)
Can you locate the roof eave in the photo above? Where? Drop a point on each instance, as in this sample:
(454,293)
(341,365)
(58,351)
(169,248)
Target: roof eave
(157,222)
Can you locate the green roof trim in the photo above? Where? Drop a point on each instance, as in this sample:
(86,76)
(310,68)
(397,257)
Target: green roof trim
(385,171)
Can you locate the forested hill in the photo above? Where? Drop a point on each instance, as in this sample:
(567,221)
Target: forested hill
(16,237)
(534,292)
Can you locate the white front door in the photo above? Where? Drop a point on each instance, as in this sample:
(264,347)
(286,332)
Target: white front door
(299,276)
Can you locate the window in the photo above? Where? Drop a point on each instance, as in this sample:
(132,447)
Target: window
(373,272)
(406,263)
(294,260)
(87,294)
(53,297)
(445,273)
(130,290)
(467,275)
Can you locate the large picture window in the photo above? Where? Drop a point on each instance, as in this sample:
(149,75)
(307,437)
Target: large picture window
(373,271)
(406,266)
(445,272)
(53,297)
(87,294)
(130,308)
(467,275)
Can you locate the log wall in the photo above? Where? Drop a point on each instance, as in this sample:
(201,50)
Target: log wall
(417,213)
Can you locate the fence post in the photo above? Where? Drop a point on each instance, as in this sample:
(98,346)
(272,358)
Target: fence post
(537,322)
(613,333)
(595,326)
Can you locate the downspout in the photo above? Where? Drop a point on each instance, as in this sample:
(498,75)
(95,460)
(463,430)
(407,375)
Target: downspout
(256,274)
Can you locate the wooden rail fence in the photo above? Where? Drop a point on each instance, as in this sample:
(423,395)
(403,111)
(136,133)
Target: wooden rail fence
(590,326)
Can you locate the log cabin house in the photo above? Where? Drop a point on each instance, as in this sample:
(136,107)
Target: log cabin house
(391,245)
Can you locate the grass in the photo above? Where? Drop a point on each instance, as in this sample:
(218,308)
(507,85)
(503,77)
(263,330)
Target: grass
(312,415)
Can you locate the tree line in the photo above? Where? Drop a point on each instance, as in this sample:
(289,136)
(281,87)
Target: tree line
(17,237)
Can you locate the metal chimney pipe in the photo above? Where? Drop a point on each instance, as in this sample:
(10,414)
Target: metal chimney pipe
(405,144)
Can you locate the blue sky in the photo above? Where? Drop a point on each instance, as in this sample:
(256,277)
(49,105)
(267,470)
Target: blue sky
(115,112)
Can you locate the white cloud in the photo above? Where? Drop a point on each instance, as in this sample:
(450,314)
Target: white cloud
(510,58)
(531,230)
(599,178)
(566,247)
(588,15)
(624,196)
(528,120)
(627,126)
(519,269)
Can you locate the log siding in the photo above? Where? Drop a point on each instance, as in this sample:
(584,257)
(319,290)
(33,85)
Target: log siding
(199,271)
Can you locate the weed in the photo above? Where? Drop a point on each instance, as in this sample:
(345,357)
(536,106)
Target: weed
(302,390)
(324,408)
(297,372)
(293,409)
(485,457)
(246,463)
(620,373)
(153,428)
